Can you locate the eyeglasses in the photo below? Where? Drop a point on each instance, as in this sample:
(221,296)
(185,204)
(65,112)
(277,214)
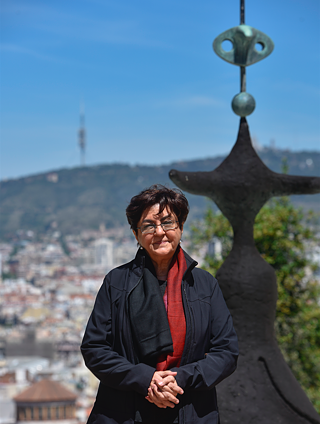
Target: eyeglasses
(151,228)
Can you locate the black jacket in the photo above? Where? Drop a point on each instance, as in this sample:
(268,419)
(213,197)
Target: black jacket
(210,352)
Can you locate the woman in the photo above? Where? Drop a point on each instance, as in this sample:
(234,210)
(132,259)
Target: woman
(160,337)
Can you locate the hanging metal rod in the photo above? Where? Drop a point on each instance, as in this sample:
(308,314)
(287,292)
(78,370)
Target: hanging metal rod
(242,12)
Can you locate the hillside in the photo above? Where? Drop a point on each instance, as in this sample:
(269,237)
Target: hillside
(85,197)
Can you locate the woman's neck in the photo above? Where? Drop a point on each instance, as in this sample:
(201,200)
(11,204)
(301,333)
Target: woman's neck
(162,269)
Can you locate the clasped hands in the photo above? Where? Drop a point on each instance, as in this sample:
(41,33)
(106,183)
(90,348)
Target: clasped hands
(163,389)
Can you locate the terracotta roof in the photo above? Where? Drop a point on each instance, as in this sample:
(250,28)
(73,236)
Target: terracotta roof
(45,391)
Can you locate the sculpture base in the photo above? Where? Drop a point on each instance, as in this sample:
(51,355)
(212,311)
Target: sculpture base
(263,389)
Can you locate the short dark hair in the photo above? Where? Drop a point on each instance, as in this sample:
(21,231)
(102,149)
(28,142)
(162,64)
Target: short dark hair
(172,198)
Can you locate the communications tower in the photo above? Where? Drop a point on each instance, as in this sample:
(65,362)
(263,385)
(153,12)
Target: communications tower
(82,136)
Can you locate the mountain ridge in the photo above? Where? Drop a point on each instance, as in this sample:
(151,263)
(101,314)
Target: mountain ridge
(72,199)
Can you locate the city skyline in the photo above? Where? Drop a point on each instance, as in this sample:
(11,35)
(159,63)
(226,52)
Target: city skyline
(153,89)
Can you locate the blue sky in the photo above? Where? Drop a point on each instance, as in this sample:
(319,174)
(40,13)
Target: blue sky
(153,89)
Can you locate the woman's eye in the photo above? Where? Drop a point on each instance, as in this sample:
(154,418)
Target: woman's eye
(148,227)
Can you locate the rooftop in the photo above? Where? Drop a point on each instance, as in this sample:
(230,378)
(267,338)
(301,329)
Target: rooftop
(46,391)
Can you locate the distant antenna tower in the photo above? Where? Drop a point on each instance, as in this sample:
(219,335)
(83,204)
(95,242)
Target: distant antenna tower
(82,136)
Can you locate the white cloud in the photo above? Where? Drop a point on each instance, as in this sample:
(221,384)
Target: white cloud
(92,27)
(13,48)
(17,49)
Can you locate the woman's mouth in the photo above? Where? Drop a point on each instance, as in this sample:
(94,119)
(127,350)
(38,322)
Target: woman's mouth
(159,243)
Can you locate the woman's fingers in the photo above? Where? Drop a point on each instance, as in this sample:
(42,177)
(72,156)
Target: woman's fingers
(169,384)
(167,379)
(166,373)
(163,389)
(153,399)
(162,398)
(165,396)
(159,375)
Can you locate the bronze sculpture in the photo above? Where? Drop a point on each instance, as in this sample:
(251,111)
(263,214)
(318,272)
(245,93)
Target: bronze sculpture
(263,389)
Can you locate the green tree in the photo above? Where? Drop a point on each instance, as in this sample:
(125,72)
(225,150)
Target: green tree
(284,236)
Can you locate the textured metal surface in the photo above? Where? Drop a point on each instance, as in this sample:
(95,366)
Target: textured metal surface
(249,46)
(243,104)
(244,39)
(242,11)
(262,390)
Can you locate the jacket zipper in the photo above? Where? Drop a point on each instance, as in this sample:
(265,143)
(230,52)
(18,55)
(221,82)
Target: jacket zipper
(184,292)
(190,318)
(189,344)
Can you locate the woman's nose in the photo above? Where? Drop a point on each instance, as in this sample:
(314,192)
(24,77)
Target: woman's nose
(159,230)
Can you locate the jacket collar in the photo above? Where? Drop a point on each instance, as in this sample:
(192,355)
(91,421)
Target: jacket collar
(191,263)
(142,259)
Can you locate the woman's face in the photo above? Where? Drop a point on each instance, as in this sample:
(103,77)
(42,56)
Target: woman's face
(160,245)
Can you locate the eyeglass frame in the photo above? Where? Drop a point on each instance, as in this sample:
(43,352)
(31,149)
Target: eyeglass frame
(158,225)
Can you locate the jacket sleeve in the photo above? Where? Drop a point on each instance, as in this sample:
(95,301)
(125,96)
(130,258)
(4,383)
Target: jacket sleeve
(108,366)
(221,359)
